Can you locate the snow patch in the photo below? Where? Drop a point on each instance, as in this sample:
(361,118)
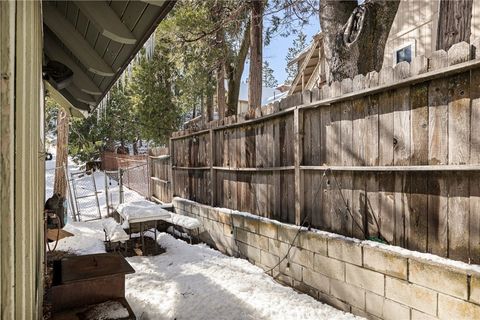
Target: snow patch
(197,282)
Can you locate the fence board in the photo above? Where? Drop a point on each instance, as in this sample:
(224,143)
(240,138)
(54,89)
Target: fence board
(418,126)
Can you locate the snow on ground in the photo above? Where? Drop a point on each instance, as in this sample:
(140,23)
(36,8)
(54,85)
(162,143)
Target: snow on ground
(196,282)
(193,281)
(85,186)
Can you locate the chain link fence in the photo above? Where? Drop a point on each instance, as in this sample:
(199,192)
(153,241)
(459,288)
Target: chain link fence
(85,195)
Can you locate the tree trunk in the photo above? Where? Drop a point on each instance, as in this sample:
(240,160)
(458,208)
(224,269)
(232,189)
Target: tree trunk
(221,102)
(256,58)
(454,23)
(234,72)
(209,105)
(60,183)
(355,35)
(135,147)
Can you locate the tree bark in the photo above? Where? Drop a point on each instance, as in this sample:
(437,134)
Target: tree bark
(256,56)
(234,72)
(60,183)
(454,23)
(209,104)
(355,35)
(221,101)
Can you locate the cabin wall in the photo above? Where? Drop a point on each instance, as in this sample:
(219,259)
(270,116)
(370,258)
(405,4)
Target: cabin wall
(21,160)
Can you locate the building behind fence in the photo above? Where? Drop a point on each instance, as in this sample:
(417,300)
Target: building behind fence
(393,155)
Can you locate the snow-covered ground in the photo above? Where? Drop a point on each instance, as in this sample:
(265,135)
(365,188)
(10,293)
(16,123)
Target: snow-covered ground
(194,281)
(85,186)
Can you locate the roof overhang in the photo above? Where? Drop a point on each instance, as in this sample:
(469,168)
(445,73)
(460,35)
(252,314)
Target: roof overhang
(96,40)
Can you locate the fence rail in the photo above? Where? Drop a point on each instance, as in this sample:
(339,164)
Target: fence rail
(393,155)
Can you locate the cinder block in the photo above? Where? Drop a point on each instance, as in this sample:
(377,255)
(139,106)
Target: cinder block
(313,241)
(237,220)
(195,209)
(334,302)
(384,308)
(224,217)
(213,214)
(283,279)
(177,204)
(353,295)
(291,269)
(251,253)
(250,224)
(268,229)
(277,247)
(316,280)
(268,259)
(417,315)
(345,250)
(453,308)
(228,230)
(302,287)
(241,235)
(442,279)
(475,288)
(412,295)
(385,262)
(287,233)
(362,313)
(302,257)
(216,230)
(364,278)
(330,267)
(203,211)
(257,241)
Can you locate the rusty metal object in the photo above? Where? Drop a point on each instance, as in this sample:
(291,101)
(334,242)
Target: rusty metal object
(83,280)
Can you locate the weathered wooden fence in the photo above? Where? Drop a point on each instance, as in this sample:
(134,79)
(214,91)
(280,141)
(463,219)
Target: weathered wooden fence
(160,178)
(393,155)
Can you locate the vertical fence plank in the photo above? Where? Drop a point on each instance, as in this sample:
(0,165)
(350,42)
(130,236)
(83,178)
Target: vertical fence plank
(298,148)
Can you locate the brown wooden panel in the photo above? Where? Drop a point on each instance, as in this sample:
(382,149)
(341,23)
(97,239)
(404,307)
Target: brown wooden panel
(386,186)
(458,215)
(416,226)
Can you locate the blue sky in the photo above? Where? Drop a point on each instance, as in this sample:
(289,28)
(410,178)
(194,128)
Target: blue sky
(276,52)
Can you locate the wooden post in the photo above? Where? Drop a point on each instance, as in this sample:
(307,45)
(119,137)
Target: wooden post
(149,173)
(213,173)
(298,156)
(171,161)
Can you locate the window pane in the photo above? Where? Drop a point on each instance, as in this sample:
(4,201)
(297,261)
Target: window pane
(404,54)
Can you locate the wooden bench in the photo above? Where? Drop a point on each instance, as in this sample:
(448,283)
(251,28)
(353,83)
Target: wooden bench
(114,233)
(185,222)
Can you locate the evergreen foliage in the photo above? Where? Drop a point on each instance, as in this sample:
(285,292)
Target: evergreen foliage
(269,80)
(298,45)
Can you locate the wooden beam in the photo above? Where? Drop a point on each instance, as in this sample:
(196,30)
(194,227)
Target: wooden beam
(298,159)
(157,3)
(466,167)
(77,104)
(80,79)
(80,95)
(75,42)
(106,21)
(62,101)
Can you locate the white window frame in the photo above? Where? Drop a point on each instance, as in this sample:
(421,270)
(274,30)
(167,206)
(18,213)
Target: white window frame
(403,46)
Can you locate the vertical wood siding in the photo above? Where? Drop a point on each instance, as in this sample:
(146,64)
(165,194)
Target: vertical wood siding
(22,160)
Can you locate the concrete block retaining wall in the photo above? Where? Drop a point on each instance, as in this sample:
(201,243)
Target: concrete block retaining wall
(366,278)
